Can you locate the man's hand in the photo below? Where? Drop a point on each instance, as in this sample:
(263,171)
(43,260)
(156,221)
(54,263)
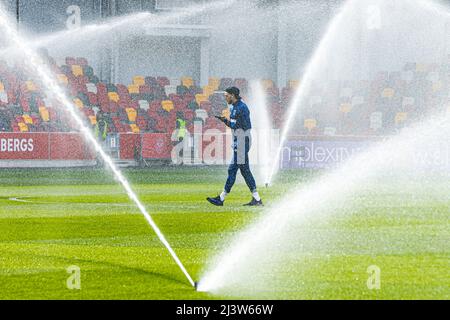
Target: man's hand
(221,118)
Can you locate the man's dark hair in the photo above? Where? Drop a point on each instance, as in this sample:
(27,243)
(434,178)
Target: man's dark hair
(234,91)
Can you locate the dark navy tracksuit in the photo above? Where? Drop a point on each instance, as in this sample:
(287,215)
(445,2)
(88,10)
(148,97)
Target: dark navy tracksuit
(241,126)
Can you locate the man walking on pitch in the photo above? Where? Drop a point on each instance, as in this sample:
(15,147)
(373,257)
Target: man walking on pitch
(241,126)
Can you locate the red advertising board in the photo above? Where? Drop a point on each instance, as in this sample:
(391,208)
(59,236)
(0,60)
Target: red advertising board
(156,146)
(128,144)
(44,146)
(65,146)
(24,146)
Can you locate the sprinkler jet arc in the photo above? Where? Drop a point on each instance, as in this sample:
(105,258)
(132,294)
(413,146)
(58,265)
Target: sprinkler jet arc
(52,86)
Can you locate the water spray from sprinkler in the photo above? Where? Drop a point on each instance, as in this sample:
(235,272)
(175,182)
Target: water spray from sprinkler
(49,82)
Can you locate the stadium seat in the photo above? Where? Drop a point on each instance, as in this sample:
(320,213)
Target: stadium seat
(43,112)
(142,123)
(163,81)
(139,80)
(242,84)
(78,103)
(433,76)
(310,124)
(214,83)
(193,105)
(436,86)
(293,84)
(266,84)
(132,113)
(23,127)
(175,82)
(357,100)
(70,61)
(408,101)
(144,104)
(62,78)
(225,83)
(77,70)
(206,105)
(167,105)
(421,67)
(376,120)
(82,61)
(329,131)
(31,87)
(93,120)
(113,96)
(401,117)
(170,89)
(182,90)
(193,90)
(133,89)
(187,82)
(208,91)
(92,97)
(199,98)
(345,107)
(3,97)
(388,93)
(27,119)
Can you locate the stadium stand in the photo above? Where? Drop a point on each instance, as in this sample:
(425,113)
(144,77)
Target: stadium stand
(149,104)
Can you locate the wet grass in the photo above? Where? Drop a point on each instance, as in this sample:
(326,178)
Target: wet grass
(61,218)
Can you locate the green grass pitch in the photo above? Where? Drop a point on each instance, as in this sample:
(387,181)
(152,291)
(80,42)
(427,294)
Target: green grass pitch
(52,219)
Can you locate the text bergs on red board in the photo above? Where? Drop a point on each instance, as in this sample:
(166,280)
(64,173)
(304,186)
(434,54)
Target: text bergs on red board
(16,145)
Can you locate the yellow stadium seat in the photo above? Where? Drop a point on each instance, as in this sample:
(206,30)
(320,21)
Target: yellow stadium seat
(134,128)
(167,105)
(30,85)
(138,80)
(187,82)
(27,119)
(208,91)
(133,88)
(113,96)
(310,124)
(214,83)
(23,127)
(388,93)
(345,107)
(93,120)
(437,86)
(401,117)
(44,114)
(267,84)
(62,78)
(77,70)
(226,113)
(200,98)
(2,87)
(131,114)
(293,84)
(421,67)
(78,103)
